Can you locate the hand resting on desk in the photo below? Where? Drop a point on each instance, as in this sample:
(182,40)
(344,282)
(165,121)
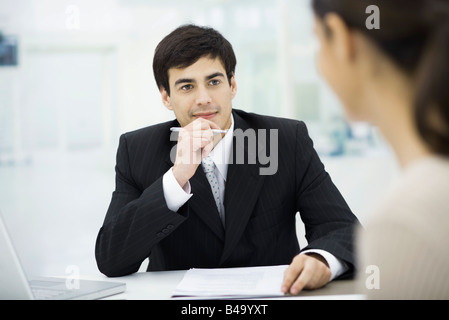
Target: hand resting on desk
(307,271)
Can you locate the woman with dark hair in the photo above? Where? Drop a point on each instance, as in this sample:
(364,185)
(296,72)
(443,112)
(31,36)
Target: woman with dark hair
(396,77)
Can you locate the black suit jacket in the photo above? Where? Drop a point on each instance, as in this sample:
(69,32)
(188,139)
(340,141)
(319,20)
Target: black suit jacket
(260,209)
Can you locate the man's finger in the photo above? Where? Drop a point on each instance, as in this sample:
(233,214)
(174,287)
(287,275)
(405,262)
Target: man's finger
(291,273)
(202,124)
(303,279)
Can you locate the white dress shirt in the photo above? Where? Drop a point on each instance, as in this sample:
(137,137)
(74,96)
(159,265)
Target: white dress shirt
(176,196)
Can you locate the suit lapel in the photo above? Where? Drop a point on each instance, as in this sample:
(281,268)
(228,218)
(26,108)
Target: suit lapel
(243,184)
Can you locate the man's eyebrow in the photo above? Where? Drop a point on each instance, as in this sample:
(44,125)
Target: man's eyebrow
(183,80)
(213,75)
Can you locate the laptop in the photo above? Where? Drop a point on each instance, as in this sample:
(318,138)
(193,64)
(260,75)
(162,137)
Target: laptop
(14,284)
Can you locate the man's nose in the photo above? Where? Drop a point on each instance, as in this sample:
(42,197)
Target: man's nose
(203,96)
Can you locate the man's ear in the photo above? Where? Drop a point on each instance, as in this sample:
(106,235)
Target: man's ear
(166,99)
(341,37)
(233,86)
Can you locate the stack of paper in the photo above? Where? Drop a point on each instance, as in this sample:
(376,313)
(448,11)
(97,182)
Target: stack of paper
(230,283)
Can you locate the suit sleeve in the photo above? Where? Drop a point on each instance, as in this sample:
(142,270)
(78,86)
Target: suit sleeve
(135,222)
(329,222)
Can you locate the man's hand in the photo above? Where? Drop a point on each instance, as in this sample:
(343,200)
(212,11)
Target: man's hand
(307,271)
(195,141)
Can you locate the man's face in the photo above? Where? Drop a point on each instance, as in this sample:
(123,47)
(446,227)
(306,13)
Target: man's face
(201,90)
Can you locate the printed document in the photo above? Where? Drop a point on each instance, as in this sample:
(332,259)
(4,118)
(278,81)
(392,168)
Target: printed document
(228,283)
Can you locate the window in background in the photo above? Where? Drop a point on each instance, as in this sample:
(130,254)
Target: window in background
(276,73)
(276,70)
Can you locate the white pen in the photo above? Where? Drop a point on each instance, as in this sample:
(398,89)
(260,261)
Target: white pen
(177,129)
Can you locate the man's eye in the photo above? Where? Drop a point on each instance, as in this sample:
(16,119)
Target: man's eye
(214,82)
(187,87)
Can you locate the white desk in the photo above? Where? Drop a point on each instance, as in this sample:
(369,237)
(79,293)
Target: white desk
(160,286)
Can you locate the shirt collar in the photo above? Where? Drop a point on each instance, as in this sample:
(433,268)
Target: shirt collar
(222,151)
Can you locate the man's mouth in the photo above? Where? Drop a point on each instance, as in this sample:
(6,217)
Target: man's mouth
(205,115)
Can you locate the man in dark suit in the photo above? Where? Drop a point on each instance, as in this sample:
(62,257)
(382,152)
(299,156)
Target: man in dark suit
(264,171)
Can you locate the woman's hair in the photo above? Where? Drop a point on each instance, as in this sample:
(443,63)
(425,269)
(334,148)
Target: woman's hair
(415,35)
(186,45)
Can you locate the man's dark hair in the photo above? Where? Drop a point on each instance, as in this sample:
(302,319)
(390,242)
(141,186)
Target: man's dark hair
(186,45)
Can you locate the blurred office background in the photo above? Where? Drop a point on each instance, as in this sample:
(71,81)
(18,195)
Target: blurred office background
(75,74)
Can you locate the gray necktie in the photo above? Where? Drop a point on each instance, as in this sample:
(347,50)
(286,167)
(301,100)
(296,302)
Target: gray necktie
(209,168)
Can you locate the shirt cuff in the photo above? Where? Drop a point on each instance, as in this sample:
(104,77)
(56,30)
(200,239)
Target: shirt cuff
(175,196)
(337,266)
